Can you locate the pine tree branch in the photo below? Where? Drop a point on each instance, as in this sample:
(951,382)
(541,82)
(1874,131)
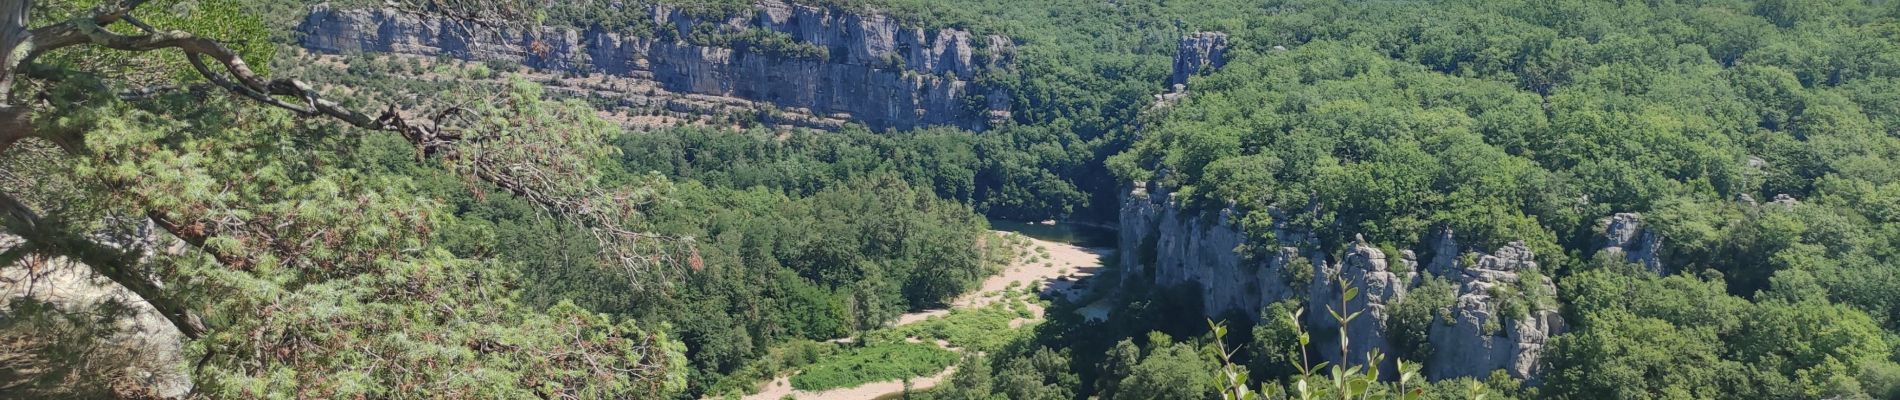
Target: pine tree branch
(227,70)
(196,235)
(236,76)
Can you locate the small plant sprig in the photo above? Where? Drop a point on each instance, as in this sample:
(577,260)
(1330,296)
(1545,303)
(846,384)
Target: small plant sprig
(1343,382)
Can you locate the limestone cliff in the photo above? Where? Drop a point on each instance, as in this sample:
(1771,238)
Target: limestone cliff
(1364,268)
(872,69)
(1488,329)
(1163,245)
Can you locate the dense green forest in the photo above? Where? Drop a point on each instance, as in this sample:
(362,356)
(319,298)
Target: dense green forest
(521,246)
(841,255)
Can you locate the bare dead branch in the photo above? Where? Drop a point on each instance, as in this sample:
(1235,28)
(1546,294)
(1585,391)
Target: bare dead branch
(196,234)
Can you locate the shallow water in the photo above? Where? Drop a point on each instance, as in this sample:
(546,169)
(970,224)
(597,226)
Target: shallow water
(1064,232)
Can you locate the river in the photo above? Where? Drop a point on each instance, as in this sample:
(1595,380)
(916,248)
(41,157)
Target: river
(1061,232)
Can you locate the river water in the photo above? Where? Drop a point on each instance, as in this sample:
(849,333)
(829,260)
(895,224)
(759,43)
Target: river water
(1060,232)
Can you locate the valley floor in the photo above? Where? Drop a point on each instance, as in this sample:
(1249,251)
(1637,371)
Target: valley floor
(1065,271)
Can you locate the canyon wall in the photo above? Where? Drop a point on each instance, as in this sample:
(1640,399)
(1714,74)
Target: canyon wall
(872,68)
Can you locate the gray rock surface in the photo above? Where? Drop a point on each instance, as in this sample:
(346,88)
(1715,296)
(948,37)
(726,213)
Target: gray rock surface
(1445,253)
(1163,244)
(878,71)
(1785,200)
(156,359)
(1482,336)
(1190,248)
(1625,237)
(1364,268)
(1198,53)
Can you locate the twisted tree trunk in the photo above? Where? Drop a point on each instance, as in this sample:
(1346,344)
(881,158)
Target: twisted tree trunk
(14,123)
(13,33)
(119,265)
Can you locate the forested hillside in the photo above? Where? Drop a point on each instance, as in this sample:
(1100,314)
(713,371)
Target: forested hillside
(1437,199)
(1755,139)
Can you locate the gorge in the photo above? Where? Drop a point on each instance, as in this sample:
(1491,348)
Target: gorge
(884,74)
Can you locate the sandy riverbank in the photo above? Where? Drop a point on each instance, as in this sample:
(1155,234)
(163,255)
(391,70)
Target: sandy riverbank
(1076,262)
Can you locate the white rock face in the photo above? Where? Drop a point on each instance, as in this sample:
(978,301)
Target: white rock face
(1201,250)
(1162,244)
(1187,248)
(931,82)
(1197,53)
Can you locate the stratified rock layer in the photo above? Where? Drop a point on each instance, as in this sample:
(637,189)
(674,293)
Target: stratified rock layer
(875,70)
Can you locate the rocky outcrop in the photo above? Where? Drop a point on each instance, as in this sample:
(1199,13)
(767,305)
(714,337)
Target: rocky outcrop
(1626,238)
(1364,268)
(868,67)
(1169,247)
(1163,244)
(1499,321)
(1198,53)
(1785,200)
